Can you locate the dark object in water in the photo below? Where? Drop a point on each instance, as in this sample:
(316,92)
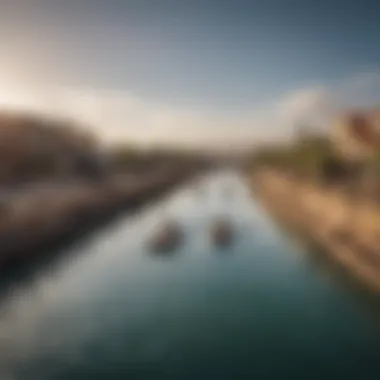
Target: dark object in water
(167,239)
(222,233)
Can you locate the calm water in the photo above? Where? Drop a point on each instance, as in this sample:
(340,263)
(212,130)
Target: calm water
(262,307)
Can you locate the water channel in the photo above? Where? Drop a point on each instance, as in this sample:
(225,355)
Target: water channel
(262,308)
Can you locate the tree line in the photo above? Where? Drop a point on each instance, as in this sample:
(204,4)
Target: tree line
(36,147)
(313,157)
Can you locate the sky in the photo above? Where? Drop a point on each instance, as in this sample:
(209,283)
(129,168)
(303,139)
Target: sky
(225,73)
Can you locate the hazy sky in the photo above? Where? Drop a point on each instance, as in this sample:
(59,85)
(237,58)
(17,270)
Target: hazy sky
(189,70)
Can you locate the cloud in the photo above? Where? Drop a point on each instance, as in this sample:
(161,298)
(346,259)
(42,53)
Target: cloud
(306,104)
(317,106)
(122,115)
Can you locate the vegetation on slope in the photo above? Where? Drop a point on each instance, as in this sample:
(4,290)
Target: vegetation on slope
(35,147)
(313,157)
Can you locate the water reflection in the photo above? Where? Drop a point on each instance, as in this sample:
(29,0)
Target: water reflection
(228,193)
(117,313)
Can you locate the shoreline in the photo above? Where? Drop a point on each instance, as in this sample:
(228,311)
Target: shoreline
(319,213)
(44,226)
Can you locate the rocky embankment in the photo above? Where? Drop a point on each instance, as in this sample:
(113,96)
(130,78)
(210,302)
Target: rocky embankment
(36,220)
(349,235)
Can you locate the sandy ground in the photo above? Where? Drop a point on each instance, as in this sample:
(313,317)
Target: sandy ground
(319,212)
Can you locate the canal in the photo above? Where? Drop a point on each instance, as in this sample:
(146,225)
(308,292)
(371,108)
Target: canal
(262,308)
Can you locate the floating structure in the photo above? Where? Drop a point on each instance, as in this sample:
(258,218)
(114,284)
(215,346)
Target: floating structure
(168,238)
